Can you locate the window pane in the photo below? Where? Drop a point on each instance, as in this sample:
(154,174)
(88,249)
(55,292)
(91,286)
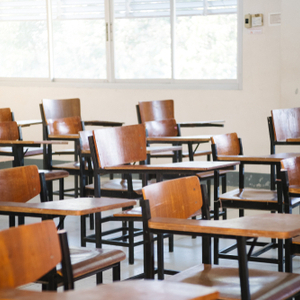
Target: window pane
(206,45)
(23,36)
(142,39)
(79,39)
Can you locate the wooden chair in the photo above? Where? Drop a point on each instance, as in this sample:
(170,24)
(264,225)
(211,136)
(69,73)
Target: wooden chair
(284,130)
(245,198)
(30,184)
(177,200)
(62,121)
(30,252)
(10,131)
(112,147)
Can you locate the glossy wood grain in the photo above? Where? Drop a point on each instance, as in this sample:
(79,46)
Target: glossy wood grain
(5,115)
(126,290)
(156,110)
(180,139)
(19,184)
(9,131)
(65,126)
(292,165)
(161,128)
(84,140)
(282,226)
(40,253)
(226,144)
(248,194)
(61,108)
(286,123)
(120,145)
(70,207)
(178,198)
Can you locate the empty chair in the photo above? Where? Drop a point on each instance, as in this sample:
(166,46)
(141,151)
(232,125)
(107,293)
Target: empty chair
(31,184)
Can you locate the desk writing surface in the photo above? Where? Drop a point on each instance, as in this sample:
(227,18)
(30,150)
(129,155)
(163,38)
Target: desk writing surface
(269,158)
(70,137)
(192,166)
(282,226)
(180,139)
(125,290)
(103,123)
(74,207)
(29,143)
(27,123)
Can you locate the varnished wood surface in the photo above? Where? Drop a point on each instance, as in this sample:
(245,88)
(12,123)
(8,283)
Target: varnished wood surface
(71,137)
(120,145)
(19,184)
(292,165)
(125,290)
(9,131)
(156,110)
(201,123)
(263,284)
(180,139)
(188,166)
(27,253)
(282,226)
(269,158)
(5,115)
(178,198)
(161,128)
(286,124)
(226,144)
(103,123)
(255,195)
(64,126)
(74,207)
(30,143)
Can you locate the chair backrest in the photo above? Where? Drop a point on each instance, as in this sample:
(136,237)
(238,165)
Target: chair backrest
(292,165)
(177,198)
(27,253)
(62,116)
(166,127)
(6,115)
(226,144)
(20,184)
(286,123)
(120,145)
(9,131)
(156,110)
(84,139)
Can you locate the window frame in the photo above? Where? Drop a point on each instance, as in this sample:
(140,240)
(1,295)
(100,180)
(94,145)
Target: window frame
(112,82)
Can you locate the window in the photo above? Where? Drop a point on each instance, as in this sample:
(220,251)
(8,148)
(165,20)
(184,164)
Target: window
(165,41)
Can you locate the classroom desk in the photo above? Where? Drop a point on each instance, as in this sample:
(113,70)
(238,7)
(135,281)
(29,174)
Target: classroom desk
(125,290)
(281,226)
(71,207)
(18,148)
(180,168)
(179,140)
(27,123)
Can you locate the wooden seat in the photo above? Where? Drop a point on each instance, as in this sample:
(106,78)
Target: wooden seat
(112,147)
(177,200)
(244,198)
(29,252)
(30,184)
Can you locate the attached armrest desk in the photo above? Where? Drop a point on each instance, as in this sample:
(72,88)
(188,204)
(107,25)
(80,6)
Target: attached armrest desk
(214,123)
(126,290)
(279,226)
(71,207)
(179,140)
(18,148)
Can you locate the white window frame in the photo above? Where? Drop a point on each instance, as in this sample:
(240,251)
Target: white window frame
(111,82)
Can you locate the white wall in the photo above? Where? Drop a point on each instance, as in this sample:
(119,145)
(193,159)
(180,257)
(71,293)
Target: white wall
(245,111)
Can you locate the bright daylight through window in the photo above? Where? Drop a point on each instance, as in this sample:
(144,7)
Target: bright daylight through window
(116,40)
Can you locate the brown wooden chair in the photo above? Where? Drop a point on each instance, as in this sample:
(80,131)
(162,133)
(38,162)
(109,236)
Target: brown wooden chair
(112,147)
(62,121)
(10,131)
(30,252)
(30,184)
(177,200)
(245,198)
(284,130)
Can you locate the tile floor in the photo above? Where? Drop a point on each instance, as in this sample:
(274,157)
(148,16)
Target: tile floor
(187,252)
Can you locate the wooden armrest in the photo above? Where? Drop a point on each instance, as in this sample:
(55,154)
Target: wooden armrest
(214,123)
(103,123)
